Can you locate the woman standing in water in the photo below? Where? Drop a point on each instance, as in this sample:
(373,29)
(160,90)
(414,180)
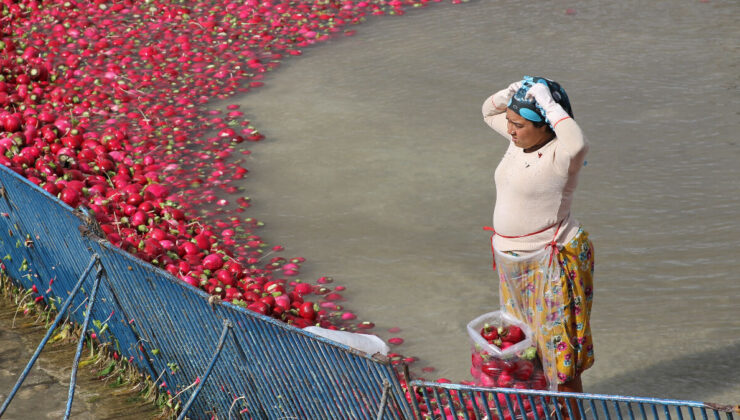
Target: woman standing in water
(533,226)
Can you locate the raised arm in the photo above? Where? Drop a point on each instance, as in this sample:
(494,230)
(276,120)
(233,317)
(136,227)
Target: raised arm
(494,108)
(572,144)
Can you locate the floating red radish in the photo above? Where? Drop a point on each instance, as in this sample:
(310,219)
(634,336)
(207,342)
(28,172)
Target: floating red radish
(80,118)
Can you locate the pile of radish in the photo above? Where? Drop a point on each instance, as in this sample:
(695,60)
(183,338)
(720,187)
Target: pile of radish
(114,106)
(105,105)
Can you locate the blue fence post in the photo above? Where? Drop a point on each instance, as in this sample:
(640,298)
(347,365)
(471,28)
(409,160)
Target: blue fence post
(219,347)
(59,317)
(85,323)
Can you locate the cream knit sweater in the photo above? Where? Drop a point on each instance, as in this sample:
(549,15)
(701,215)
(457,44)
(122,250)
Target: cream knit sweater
(535,190)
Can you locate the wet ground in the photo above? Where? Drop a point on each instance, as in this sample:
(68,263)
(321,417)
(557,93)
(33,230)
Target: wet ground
(43,394)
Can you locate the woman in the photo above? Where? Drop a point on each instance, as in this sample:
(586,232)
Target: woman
(533,227)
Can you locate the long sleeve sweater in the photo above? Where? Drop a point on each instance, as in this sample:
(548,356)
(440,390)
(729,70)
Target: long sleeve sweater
(534,191)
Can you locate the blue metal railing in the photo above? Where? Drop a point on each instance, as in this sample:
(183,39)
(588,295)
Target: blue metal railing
(437,400)
(81,341)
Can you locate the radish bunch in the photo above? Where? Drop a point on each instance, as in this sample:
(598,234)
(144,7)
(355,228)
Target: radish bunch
(521,369)
(126,109)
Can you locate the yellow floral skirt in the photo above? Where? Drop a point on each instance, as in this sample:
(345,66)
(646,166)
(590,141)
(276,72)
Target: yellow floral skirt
(557,306)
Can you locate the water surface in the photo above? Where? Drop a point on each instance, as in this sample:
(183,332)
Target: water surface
(378,169)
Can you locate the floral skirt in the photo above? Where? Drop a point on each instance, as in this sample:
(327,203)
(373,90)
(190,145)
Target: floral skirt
(555,302)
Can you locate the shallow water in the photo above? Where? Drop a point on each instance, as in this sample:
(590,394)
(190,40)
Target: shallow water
(44,393)
(378,169)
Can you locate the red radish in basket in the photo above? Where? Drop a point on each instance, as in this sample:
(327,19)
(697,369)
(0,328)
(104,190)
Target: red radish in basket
(489,333)
(511,334)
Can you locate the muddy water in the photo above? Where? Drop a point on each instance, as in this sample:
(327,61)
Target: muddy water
(43,394)
(378,169)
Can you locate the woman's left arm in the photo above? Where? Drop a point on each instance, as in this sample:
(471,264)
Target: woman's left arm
(572,144)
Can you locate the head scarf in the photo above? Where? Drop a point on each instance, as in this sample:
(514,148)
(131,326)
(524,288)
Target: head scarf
(529,108)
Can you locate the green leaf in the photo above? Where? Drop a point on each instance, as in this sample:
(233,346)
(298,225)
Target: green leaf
(108,369)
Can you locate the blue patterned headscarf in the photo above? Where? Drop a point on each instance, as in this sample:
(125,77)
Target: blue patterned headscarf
(529,108)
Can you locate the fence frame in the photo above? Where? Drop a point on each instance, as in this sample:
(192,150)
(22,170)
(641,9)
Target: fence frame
(167,328)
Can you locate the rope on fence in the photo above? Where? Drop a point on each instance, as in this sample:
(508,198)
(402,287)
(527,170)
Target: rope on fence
(384,398)
(94,259)
(78,353)
(219,347)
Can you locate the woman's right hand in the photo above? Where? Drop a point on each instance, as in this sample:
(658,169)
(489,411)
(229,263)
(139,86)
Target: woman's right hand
(502,97)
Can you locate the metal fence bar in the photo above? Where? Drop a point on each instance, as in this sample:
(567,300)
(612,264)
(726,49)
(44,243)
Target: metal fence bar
(514,402)
(545,405)
(116,301)
(497,402)
(679,413)
(438,398)
(249,394)
(703,413)
(427,400)
(51,329)
(271,373)
(642,410)
(667,412)
(78,353)
(267,399)
(655,411)
(371,394)
(616,409)
(478,408)
(415,403)
(533,407)
(519,406)
(219,347)
(629,410)
(284,355)
(606,410)
(451,402)
(363,391)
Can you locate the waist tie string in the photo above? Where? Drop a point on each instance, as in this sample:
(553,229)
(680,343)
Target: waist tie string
(552,244)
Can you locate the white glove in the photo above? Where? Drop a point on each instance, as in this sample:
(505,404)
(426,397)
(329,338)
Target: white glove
(502,97)
(541,94)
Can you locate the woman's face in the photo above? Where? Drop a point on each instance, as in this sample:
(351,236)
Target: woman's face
(523,132)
